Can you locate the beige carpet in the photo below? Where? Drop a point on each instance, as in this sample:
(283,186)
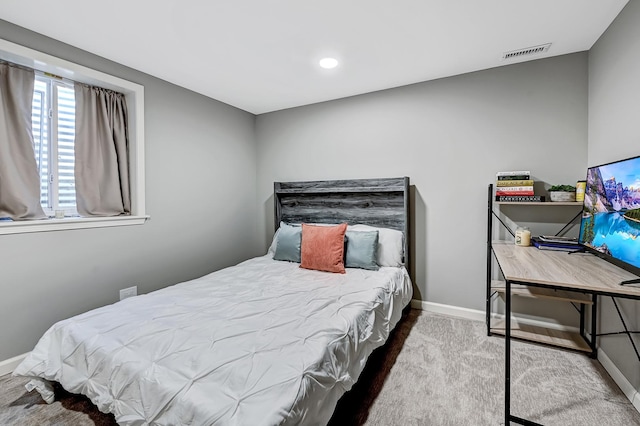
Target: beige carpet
(435,370)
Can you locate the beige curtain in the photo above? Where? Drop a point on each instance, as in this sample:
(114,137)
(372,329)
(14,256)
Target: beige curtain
(19,177)
(102,152)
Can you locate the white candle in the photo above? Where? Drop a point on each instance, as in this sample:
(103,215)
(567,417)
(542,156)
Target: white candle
(523,237)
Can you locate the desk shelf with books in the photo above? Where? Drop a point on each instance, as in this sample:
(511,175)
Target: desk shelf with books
(544,273)
(578,340)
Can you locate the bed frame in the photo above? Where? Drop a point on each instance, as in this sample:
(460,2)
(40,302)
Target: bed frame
(375,202)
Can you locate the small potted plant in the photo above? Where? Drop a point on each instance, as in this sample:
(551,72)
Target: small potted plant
(562,193)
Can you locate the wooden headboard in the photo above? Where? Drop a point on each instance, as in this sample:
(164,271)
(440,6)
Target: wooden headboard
(375,202)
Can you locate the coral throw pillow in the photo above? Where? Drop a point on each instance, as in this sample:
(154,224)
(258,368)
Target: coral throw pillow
(322,247)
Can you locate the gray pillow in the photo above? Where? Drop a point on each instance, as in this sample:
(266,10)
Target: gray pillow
(362,248)
(288,245)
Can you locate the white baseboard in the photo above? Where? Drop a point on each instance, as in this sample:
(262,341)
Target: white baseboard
(476,315)
(453,311)
(7,366)
(626,387)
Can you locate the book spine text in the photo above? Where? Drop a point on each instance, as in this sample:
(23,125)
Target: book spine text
(500,193)
(522,198)
(513,177)
(515,172)
(514,188)
(514,183)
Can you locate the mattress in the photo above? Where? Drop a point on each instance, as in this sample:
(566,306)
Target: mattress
(261,343)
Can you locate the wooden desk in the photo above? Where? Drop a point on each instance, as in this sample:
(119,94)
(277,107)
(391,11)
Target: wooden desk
(581,272)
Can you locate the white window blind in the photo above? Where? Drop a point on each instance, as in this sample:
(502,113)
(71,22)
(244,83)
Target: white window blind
(39,111)
(53,124)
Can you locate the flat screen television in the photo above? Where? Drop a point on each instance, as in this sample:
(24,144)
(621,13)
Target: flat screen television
(610,224)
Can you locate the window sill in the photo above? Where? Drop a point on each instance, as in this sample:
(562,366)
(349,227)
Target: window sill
(47,225)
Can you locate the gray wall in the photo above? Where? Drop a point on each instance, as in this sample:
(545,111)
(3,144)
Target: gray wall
(200,174)
(450,136)
(614,134)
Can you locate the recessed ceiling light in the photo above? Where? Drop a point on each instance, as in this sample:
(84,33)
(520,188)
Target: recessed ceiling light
(328,63)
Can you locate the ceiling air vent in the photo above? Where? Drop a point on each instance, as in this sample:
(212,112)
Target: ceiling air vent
(526,51)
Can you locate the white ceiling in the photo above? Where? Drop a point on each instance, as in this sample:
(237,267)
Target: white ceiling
(262,55)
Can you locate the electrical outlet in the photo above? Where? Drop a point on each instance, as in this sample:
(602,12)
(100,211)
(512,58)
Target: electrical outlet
(128,292)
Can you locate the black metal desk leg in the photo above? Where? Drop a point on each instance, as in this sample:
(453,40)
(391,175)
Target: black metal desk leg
(508,418)
(594,325)
(507,357)
(582,330)
(489,260)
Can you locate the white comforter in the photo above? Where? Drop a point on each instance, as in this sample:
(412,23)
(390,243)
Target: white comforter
(260,343)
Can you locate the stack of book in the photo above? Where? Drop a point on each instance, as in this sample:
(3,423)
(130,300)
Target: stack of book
(515,186)
(545,242)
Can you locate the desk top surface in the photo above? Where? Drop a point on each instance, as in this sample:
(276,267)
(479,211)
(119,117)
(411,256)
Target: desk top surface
(580,271)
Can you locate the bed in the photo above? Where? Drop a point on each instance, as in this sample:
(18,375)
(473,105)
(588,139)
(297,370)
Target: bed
(263,342)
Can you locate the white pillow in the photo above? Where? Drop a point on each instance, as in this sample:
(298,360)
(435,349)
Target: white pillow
(274,243)
(390,244)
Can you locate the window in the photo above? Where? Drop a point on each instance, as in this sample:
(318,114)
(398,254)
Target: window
(53,125)
(53,130)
